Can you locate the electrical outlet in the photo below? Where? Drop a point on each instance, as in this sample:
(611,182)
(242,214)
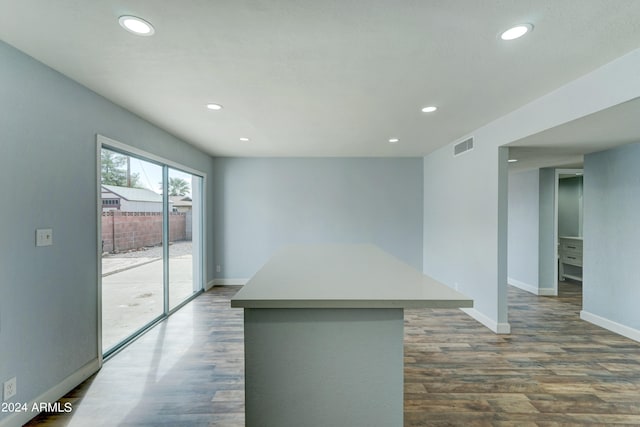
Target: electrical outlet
(10,389)
(218,269)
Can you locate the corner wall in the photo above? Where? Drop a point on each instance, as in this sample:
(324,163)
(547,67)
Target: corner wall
(462,195)
(461,224)
(48,295)
(611,290)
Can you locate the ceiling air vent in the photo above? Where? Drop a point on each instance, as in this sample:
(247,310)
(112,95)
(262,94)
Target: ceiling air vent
(463,146)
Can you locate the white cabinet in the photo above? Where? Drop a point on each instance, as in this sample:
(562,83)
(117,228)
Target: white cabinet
(570,254)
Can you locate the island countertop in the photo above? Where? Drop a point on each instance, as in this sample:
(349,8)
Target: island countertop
(343,276)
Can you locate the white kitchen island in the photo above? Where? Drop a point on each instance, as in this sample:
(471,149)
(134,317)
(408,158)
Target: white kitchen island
(323,332)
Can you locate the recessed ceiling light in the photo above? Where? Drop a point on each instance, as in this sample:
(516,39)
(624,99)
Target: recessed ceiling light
(136,25)
(516,32)
(214,106)
(513,160)
(429,109)
(393,140)
(244,139)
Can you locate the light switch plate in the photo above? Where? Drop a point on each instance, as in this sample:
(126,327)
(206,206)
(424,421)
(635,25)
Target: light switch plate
(44,237)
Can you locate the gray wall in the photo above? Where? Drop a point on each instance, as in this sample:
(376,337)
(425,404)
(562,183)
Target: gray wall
(546,229)
(463,238)
(262,204)
(48,295)
(461,224)
(523,229)
(570,206)
(611,235)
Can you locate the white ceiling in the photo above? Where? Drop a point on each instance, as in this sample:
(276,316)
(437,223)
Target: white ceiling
(322,78)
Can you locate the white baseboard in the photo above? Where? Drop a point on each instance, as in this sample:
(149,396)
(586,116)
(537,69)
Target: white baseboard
(522,285)
(18,419)
(209,285)
(229,282)
(498,328)
(531,288)
(616,327)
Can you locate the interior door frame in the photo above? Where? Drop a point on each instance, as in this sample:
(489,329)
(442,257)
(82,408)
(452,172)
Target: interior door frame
(108,143)
(556,190)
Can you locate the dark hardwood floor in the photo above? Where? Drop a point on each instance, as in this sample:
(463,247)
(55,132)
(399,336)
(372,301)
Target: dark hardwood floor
(553,370)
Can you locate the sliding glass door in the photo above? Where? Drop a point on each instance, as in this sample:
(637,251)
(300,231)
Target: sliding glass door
(150,242)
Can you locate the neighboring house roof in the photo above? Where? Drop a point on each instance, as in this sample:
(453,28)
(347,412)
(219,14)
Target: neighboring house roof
(179,201)
(134,194)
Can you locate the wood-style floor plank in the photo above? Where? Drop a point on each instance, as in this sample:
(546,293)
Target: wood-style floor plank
(554,369)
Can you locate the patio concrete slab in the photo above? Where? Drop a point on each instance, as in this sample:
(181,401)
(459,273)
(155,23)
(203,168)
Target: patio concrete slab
(133,297)
(116,265)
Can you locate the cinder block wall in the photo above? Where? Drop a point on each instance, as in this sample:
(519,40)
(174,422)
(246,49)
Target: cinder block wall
(122,231)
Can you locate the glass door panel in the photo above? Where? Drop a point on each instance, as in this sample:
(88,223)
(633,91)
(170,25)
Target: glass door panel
(185,265)
(132,246)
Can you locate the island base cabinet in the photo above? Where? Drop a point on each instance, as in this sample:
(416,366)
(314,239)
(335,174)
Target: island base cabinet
(323,367)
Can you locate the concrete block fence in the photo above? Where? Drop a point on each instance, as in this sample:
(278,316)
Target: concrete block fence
(122,231)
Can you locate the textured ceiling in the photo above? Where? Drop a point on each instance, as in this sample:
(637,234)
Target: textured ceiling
(322,78)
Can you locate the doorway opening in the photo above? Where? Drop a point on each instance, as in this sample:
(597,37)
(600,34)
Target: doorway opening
(568,226)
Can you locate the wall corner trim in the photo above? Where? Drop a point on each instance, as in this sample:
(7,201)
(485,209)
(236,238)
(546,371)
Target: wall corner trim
(53,394)
(531,288)
(498,328)
(522,285)
(610,325)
